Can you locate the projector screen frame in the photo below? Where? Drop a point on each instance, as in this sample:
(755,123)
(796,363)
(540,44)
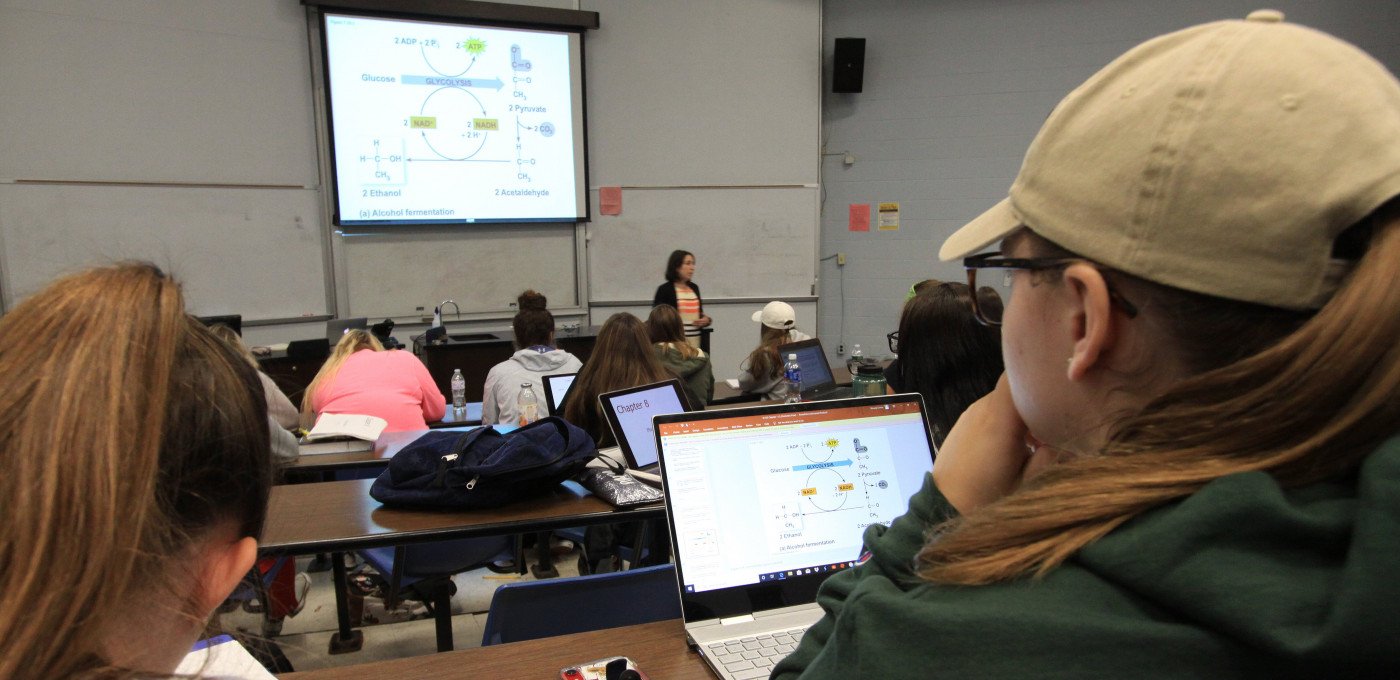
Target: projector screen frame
(465,13)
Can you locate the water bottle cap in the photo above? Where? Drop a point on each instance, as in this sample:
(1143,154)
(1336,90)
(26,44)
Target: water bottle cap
(792,357)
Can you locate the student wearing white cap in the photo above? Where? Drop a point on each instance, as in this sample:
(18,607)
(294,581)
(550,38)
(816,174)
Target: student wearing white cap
(762,370)
(1190,467)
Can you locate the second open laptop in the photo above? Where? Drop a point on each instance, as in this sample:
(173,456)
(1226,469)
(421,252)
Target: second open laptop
(338,327)
(555,387)
(817,380)
(764,503)
(629,413)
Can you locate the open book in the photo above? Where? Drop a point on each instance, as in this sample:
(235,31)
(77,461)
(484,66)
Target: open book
(341,426)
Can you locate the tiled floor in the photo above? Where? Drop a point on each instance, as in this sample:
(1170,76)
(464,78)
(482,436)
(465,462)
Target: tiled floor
(409,631)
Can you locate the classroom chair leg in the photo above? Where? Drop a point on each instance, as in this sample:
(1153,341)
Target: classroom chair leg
(344,640)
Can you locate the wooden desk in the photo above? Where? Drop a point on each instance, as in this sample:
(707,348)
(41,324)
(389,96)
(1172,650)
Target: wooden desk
(338,516)
(659,649)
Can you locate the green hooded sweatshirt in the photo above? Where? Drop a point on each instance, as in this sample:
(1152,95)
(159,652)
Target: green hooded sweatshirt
(1243,579)
(695,373)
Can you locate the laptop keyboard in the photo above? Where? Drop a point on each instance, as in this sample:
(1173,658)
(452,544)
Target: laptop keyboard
(753,657)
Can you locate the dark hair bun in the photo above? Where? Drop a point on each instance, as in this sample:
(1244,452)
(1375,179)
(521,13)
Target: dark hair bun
(531,300)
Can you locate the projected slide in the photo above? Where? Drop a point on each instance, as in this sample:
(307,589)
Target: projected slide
(437,122)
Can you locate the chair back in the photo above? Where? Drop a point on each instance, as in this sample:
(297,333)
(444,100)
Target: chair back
(562,606)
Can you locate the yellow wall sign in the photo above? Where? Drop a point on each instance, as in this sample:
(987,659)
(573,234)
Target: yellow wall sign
(889,217)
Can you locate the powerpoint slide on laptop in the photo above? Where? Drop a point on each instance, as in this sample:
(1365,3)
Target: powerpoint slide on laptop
(790,490)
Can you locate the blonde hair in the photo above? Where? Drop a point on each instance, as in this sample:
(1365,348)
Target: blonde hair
(763,362)
(353,341)
(1309,405)
(227,334)
(127,434)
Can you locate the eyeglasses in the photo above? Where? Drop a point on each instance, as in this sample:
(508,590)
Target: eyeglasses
(994,260)
(893,340)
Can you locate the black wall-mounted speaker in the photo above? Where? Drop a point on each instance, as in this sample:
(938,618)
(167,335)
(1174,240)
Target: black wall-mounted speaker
(848,65)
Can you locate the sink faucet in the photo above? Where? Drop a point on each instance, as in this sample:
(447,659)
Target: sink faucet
(444,303)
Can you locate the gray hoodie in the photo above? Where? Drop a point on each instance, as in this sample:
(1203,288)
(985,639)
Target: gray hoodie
(498,401)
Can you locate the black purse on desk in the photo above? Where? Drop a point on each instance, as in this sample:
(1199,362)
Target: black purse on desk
(483,468)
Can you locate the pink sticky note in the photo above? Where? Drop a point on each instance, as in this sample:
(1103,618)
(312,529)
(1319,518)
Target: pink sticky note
(610,200)
(860,217)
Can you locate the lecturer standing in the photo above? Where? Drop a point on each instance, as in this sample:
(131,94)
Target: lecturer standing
(682,293)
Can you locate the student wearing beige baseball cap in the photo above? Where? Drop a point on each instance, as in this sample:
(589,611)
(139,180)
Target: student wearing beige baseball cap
(1191,467)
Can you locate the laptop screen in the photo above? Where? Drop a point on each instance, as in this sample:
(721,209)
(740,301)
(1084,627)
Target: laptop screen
(816,372)
(555,387)
(338,327)
(784,493)
(630,411)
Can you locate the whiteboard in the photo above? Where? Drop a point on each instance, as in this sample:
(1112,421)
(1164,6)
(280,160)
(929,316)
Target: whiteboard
(483,268)
(747,242)
(255,252)
(190,91)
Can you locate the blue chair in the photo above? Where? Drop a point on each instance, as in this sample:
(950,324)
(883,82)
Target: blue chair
(562,606)
(427,568)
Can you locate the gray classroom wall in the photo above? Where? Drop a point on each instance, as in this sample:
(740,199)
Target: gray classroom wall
(197,121)
(954,92)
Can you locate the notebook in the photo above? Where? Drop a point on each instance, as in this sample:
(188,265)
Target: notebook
(765,502)
(555,387)
(629,413)
(337,327)
(817,380)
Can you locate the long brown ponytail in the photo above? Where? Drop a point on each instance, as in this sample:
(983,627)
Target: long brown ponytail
(1310,406)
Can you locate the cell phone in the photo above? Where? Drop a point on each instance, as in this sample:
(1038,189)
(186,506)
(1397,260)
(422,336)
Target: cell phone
(607,668)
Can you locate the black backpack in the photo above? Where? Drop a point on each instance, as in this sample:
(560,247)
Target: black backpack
(483,468)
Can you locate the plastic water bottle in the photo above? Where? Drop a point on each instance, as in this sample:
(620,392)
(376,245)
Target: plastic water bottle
(792,379)
(857,357)
(459,389)
(528,404)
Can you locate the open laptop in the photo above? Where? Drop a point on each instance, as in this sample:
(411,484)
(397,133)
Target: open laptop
(817,381)
(629,413)
(555,387)
(337,327)
(766,502)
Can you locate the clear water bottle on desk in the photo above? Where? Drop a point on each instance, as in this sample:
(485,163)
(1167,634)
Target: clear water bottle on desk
(792,380)
(857,358)
(527,404)
(459,389)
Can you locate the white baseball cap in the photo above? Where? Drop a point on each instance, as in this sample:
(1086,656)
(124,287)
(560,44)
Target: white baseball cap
(1222,159)
(776,314)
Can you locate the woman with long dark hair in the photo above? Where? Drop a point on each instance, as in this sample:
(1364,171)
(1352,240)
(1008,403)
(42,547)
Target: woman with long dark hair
(945,354)
(622,357)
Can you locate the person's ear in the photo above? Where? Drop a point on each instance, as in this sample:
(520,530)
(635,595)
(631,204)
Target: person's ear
(1093,323)
(226,560)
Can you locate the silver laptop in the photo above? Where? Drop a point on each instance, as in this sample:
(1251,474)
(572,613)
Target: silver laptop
(766,502)
(555,387)
(817,380)
(629,413)
(338,327)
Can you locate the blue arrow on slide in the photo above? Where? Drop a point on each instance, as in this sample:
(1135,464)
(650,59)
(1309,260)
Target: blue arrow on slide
(442,81)
(819,466)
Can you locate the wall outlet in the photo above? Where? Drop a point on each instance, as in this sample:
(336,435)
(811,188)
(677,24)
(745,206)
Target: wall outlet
(840,259)
(840,350)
